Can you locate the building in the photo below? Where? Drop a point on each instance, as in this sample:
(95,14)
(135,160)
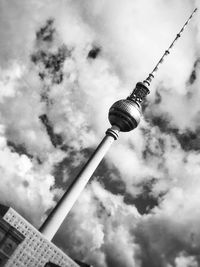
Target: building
(10,238)
(22,245)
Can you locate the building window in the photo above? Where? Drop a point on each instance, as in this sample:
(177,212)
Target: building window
(50,264)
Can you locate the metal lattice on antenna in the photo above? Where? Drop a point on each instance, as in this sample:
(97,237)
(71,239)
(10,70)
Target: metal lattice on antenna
(148,80)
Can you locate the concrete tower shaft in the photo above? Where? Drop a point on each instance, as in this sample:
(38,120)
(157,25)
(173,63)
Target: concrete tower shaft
(58,214)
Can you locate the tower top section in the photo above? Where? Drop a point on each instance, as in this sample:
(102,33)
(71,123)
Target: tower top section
(126,113)
(148,80)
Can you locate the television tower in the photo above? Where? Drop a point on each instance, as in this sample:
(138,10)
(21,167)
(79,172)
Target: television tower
(124,116)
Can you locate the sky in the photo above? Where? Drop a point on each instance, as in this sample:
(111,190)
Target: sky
(62,65)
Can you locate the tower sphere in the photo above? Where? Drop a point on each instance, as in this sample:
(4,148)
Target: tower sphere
(125,114)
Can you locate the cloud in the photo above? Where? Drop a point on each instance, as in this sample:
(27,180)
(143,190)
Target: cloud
(184,260)
(54,100)
(24,185)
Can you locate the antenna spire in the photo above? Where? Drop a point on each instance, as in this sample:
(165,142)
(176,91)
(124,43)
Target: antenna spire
(148,80)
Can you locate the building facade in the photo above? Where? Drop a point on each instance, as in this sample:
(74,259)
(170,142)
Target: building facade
(10,238)
(29,247)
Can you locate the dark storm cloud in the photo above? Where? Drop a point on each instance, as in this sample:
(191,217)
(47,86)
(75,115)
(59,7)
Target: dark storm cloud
(162,241)
(55,138)
(50,62)
(94,52)
(193,75)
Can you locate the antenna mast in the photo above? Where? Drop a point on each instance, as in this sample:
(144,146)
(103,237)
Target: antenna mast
(148,80)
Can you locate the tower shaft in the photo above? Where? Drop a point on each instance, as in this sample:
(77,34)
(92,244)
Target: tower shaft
(58,214)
